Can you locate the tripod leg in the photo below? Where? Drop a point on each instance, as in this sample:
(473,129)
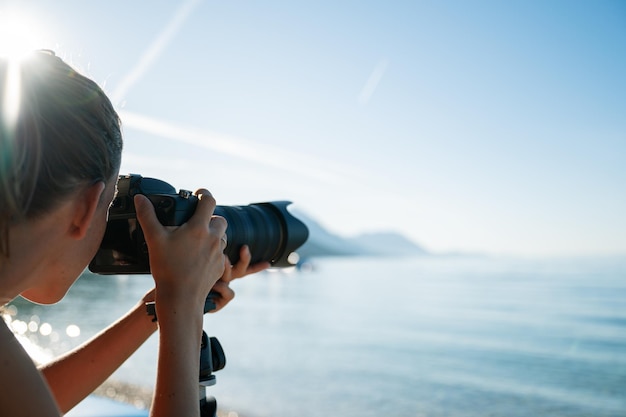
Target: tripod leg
(208,407)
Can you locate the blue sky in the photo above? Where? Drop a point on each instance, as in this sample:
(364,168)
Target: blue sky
(484,126)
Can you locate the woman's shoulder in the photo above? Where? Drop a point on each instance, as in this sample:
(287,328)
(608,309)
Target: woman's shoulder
(25,392)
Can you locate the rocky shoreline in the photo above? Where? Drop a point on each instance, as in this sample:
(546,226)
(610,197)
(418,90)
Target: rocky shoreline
(138,396)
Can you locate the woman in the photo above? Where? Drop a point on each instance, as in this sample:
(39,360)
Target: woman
(60,155)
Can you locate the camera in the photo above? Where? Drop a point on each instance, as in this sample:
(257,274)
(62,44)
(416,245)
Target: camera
(268,228)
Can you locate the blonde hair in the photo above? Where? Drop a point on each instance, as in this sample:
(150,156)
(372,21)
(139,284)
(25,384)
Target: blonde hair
(65,135)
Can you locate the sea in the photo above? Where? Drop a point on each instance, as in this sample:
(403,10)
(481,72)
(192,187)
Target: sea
(389,336)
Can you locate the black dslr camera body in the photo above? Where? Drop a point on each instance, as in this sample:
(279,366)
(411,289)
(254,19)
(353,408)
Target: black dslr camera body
(269,229)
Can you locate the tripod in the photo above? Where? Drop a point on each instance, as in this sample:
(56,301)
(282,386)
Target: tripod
(212,359)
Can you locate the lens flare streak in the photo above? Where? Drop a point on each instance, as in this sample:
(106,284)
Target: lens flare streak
(11,98)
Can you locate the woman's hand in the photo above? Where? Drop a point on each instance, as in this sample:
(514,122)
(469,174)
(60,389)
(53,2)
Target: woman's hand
(186,260)
(222,292)
(231,272)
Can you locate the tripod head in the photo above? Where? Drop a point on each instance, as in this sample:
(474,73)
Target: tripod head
(212,358)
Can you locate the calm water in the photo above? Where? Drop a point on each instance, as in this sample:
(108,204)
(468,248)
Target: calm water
(396,337)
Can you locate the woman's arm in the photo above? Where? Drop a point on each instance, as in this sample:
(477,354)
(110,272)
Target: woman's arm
(78,373)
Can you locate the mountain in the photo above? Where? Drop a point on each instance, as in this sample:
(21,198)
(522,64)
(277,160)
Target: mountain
(387,243)
(321,242)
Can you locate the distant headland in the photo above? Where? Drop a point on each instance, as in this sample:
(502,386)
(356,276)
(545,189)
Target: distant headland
(322,243)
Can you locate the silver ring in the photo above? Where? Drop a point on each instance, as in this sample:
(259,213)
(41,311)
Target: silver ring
(224,240)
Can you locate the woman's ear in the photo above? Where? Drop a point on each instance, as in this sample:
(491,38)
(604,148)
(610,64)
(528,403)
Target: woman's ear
(85,207)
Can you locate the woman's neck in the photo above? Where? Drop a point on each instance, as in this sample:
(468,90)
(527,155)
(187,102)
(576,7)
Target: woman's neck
(32,244)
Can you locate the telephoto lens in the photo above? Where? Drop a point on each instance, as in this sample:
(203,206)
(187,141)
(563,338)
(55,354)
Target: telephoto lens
(269,229)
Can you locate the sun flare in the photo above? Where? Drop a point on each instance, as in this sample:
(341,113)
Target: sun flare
(18,39)
(18,35)
(11,96)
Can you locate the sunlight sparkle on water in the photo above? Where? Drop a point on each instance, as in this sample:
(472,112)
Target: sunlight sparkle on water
(72,330)
(45,329)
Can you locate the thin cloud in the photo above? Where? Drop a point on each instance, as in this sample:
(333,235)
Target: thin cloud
(277,158)
(154,50)
(372,82)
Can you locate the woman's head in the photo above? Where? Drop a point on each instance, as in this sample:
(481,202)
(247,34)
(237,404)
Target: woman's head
(58,132)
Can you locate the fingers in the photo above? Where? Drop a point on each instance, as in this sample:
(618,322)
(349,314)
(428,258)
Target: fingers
(203,216)
(204,211)
(239,269)
(149,297)
(228,271)
(258,267)
(226,294)
(243,267)
(147,217)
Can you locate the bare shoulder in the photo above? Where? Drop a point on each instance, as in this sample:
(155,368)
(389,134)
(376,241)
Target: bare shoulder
(24,391)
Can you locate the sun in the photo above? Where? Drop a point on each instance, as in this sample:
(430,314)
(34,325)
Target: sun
(18,35)
(18,39)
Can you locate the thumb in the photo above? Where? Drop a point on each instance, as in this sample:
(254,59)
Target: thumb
(146,216)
